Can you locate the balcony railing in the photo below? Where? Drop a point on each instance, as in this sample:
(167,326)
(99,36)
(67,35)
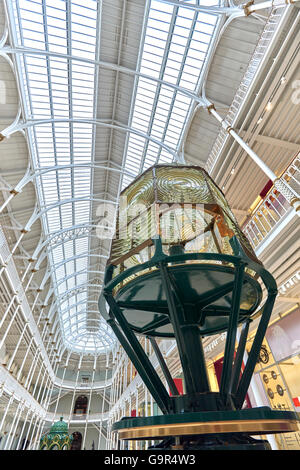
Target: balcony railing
(273,207)
(71,384)
(266,217)
(90,417)
(292,175)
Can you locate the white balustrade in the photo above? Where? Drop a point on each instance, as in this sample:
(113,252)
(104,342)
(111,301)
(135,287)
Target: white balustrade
(266,217)
(273,208)
(78,418)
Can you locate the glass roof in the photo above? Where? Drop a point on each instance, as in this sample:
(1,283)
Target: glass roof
(176,44)
(56,87)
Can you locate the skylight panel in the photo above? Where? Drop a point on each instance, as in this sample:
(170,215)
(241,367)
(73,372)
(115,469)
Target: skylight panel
(62,88)
(176,43)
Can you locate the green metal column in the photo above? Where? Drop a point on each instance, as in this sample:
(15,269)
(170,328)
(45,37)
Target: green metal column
(188,340)
(138,356)
(237,366)
(232,328)
(163,366)
(254,353)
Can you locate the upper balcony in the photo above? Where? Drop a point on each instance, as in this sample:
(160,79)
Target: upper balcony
(273,212)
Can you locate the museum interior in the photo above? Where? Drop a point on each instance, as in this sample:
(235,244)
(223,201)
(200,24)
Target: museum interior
(149,225)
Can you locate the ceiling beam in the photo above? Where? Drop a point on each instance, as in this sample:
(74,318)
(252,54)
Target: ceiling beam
(289,299)
(265,139)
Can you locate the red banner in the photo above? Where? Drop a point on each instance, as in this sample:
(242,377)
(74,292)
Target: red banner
(179,386)
(218,365)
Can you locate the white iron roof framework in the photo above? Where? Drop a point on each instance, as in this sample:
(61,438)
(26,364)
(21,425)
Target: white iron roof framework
(60,85)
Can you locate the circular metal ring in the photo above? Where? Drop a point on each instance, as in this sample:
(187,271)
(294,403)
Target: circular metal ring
(262,426)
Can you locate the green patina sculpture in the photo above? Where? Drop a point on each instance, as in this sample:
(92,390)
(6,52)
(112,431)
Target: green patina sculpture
(57,438)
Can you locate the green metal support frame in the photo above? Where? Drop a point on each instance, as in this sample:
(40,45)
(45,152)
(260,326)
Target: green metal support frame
(256,420)
(234,383)
(187,338)
(252,414)
(163,366)
(232,329)
(237,366)
(138,357)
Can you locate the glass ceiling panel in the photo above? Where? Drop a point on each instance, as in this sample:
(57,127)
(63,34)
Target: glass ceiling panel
(175,48)
(59,88)
(176,44)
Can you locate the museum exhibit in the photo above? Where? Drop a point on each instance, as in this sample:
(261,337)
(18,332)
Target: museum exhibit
(149,226)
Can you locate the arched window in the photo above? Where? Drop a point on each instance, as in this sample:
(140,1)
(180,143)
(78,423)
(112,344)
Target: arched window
(80,407)
(76,442)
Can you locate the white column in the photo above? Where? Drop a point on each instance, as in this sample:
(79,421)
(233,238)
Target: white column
(42,386)
(59,394)
(108,437)
(23,427)
(146,412)
(7,200)
(11,399)
(9,326)
(32,368)
(50,389)
(13,428)
(152,412)
(24,359)
(102,410)
(89,403)
(17,346)
(17,420)
(75,388)
(136,412)
(31,435)
(7,310)
(46,391)
(36,442)
(37,381)
(3,441)
(29,427)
